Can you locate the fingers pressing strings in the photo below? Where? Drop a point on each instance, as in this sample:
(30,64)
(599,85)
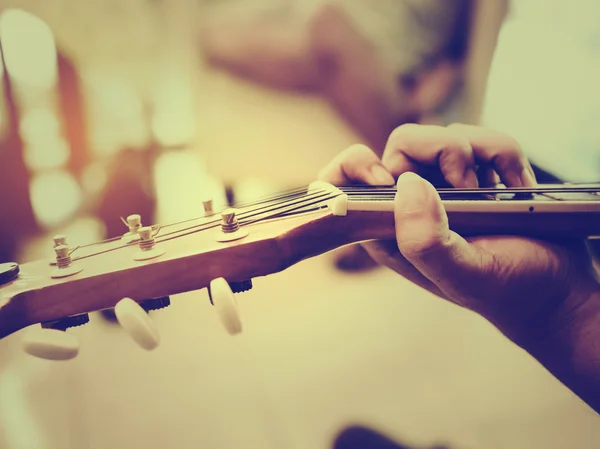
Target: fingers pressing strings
(500,152)
(415,148)
(357,164)
(465,155)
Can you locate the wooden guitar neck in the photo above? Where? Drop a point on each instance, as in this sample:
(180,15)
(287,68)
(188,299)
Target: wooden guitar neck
(263,237)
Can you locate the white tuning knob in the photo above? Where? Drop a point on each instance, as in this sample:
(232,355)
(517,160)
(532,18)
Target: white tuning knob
(136,322)
(224,301)
(51,344)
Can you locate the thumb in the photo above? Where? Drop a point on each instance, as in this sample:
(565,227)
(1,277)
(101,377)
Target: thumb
(424,238)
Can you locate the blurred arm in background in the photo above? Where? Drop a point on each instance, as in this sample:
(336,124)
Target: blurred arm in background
(380,63)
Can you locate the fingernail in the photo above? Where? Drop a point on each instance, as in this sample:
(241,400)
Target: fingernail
(381,176)
(527,177)
(412,192)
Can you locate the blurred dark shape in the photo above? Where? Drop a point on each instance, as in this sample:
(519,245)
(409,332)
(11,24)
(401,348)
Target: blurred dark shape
(17,220)
(129,190)
(230,195)
(354,258)
(545,177)
(109,316)
(332,54)
(73,114)
(458,45)
(358,437)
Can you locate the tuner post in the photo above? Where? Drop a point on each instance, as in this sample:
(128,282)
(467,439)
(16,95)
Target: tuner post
(230,227)
(208,207)
(64,263)
(147,245)
(59,240)
(134,224)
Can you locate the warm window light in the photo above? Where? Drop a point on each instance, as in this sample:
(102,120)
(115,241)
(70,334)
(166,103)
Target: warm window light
(52,153)
(174,122)
(120,100)
(29,49)
(182,183)
(117,115)
(55,196)
(38,125)
(44,147)
(173,127)
(105,141)
(94,178)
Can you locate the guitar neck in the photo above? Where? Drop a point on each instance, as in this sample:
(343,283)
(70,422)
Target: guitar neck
(278,232)
(563,213)
(360,215)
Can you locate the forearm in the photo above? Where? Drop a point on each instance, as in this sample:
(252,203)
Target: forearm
(573,354)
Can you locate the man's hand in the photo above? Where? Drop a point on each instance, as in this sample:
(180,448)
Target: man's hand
(540,294)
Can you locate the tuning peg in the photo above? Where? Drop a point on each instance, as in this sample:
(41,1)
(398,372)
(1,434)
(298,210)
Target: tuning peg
(134,223)
(208,206)
(222,297)
(64,263)
(51,344)
(136,322)
(58,240)
(147,245)
(230,227)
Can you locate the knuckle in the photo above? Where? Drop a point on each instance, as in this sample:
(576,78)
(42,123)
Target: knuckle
(511,144)
(457,153)
(356,149)
(510,161)
(402,133)
(357,156)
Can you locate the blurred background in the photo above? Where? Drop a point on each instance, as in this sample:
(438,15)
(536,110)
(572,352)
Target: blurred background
(109,108)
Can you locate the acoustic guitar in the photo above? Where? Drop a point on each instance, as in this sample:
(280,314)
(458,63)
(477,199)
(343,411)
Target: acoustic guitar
(224,250)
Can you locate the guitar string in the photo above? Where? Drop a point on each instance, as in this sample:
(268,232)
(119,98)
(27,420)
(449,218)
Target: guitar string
(292,210)
(280,195)
(298,192)
(483,197)
(382,193)
(353,190)
(208,225)
(286,194)
(277,207)
(249,222)
(240,215)
(283,198)
(213,224)
(456,191)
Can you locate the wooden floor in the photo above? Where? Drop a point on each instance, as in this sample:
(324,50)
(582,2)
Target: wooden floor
(321,350)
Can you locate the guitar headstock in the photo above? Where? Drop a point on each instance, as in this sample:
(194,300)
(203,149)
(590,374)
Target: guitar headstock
(148,263)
